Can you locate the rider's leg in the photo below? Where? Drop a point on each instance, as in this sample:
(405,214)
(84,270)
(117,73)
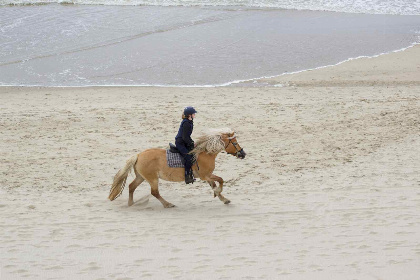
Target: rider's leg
(189,178)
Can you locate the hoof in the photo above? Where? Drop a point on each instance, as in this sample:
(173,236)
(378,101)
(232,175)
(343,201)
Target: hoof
(169,205)
(130,203)
(227,201)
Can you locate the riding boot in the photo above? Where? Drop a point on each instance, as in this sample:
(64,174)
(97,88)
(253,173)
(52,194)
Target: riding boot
(189,177)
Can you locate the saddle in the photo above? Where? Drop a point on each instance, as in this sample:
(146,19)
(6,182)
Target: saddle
(173,148)
(174,157)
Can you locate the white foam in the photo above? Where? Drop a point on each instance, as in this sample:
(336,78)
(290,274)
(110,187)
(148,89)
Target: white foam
(400,7)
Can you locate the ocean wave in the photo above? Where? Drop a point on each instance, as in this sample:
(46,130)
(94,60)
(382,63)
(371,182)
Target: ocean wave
(394,7)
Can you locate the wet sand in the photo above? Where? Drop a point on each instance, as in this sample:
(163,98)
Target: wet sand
(329,188)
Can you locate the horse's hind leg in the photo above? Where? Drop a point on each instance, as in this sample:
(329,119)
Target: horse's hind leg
(155,192)
(133,186)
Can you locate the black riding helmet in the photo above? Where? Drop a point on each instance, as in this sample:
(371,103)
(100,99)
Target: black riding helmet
(189,111)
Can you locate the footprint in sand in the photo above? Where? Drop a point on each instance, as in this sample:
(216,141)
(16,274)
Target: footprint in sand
(204,260)
(56,267)
(74,246)
(9,266)
(201,255)
(20,271)
(199,267)
(139,261)
(92,266)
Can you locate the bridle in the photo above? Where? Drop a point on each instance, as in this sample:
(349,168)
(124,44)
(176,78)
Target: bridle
(234,145)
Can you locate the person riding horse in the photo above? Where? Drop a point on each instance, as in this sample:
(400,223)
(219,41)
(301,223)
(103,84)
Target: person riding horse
(151,164)
(184,143)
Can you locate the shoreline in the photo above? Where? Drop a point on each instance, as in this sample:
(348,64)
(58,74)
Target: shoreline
(228,84)
(413,45)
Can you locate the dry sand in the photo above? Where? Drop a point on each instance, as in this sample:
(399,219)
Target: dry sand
(330,188)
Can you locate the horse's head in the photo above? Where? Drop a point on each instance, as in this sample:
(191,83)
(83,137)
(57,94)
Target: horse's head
(232,146)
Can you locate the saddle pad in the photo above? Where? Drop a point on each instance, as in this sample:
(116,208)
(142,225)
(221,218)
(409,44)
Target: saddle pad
(174,159)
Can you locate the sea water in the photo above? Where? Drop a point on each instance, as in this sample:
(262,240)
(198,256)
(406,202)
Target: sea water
(192,42)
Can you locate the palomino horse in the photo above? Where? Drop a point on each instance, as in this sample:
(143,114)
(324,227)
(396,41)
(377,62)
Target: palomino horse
(151,165)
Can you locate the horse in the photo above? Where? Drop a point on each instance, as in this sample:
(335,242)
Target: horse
(151,165)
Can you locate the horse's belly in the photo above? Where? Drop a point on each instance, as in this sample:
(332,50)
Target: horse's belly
(172,174)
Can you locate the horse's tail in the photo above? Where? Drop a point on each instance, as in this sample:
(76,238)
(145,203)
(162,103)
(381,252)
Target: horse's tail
(120,178)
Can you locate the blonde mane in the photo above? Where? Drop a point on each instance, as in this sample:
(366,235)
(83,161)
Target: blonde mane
(211,141)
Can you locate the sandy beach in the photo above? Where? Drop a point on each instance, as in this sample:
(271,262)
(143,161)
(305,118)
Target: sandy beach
(330,188)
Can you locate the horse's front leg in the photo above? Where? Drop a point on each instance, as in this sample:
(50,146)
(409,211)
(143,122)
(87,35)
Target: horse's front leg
(218,189)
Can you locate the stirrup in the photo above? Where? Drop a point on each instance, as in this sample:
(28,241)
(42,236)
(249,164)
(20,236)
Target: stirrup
(189,178)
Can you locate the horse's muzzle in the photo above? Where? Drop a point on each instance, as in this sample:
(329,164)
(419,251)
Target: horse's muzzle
(241,154)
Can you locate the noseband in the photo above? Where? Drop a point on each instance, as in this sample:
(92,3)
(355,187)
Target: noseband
(234,145)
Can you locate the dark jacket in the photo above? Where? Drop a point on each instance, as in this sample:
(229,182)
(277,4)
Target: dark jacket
(184,134)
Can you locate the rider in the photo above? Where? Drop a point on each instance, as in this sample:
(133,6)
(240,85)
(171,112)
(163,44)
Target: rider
(184,143)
